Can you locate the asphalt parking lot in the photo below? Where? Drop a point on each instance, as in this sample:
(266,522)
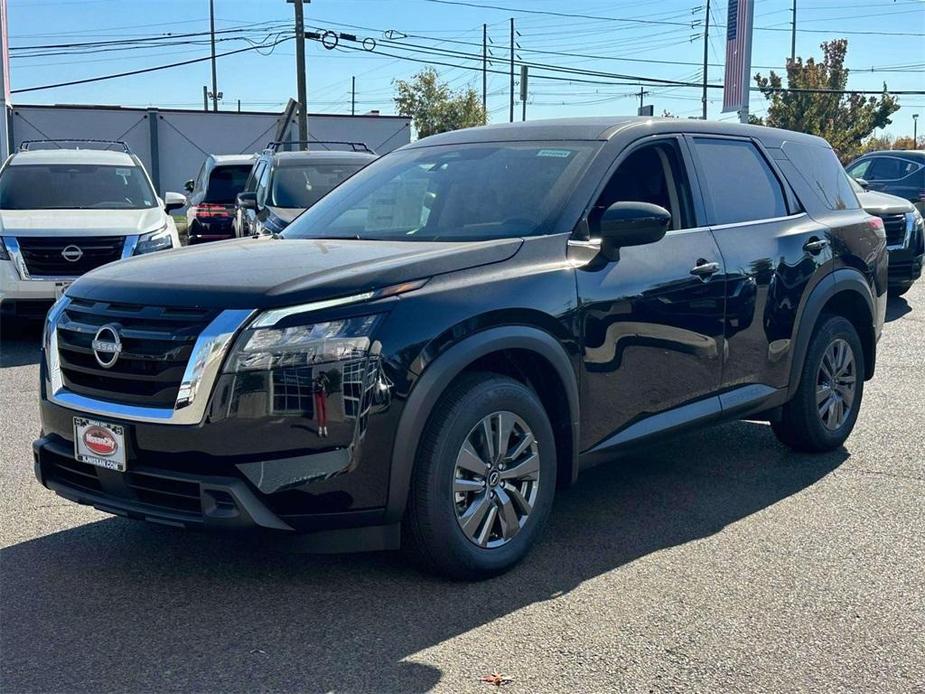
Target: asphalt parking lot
(719,561)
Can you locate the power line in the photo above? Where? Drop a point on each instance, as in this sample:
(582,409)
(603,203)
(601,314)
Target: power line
(129,73)
(657,21)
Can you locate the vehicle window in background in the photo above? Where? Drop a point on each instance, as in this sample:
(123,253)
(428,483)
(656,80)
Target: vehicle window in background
(822,171)
(304,185)
(890,169)
(740,183)
(251,185)
(75,186)
(225,182)
(452,193)
(860,169)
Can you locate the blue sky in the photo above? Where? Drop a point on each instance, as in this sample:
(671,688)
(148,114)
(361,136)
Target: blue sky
(661,31)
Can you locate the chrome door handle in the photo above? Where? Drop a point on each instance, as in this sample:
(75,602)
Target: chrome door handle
(705,269)
(815,245)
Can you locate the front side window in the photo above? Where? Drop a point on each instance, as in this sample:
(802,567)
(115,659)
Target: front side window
(75,187)
(655,174)
(225,182)
(468,192)
(738,182)
(860,169)
(302,185)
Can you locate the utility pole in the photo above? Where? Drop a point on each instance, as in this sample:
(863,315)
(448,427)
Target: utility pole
(915,131)
(706,41)
(485,68)
(300,71)
(353,95)
(239,106)
(511,119)
(214,75)
(205,98)
(641,94)
(793,33)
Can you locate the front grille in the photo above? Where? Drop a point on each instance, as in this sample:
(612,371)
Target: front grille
(43,255)
(156,346)
(73,473)
(165,492)
(895,227)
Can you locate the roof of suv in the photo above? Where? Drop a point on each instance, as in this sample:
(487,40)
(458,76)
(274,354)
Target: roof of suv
(325,155)
(918,155)
(97,157)
(232,159)
(604,128)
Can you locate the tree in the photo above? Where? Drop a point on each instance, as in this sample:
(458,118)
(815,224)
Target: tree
(875,144)
(434,107)
(842,119)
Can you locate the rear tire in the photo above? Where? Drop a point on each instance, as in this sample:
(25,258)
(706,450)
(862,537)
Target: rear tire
(822,413)
(476,508)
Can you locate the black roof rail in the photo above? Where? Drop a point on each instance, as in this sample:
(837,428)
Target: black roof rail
(274,145)
(25,145)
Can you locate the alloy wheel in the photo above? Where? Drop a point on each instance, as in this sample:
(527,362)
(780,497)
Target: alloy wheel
(836,384)
(496,479)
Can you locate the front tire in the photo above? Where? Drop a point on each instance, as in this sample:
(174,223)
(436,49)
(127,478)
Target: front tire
(484,479)
(825,408)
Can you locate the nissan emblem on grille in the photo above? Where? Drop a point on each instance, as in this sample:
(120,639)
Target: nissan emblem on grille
(72,253)
(106,345)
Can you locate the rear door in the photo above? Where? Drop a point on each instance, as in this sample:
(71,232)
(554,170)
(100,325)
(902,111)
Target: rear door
(772,250)
(651,322)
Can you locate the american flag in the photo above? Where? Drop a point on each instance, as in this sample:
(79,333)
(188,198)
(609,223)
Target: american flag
(738,55)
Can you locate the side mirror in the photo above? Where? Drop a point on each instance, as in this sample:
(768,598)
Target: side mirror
(174,201)
(632,224)
(189,185)
(863,183)
(247,200)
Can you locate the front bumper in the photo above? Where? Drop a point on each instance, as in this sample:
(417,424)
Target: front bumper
(15,289)
(906,259)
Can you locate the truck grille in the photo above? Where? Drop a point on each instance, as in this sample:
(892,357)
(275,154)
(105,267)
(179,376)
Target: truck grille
(156,346)
(895,227)
(45,257)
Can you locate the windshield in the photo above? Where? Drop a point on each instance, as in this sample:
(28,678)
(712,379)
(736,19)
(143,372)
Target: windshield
(452,193)
(75,187)
(225,182)
(302,186)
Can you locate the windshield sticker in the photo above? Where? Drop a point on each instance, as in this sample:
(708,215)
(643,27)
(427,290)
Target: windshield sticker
(560,153)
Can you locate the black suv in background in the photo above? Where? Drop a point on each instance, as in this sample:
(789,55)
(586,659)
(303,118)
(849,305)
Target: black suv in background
(210,215)
(897,172)
(429,352)
(905,236)
(283,184)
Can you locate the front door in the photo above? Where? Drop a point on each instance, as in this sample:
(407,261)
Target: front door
(652,321)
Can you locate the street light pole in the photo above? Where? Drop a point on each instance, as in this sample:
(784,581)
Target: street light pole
(214,74)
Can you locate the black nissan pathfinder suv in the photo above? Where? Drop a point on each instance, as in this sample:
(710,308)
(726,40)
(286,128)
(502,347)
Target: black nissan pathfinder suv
(429,352)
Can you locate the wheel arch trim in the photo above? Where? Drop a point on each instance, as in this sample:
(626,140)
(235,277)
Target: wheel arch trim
(837,282)
(440,373)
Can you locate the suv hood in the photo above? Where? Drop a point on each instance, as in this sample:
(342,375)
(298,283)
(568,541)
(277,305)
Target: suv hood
(80,222)
(267,272)
(883,203)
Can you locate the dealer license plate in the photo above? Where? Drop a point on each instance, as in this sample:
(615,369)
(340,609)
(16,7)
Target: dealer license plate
(99,443)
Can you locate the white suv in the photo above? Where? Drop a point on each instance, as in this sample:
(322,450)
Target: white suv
(64,212)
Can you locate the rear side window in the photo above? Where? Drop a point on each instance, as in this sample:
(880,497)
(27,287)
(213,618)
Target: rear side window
(738,182)
(225,182)
(890,169)
(824,174)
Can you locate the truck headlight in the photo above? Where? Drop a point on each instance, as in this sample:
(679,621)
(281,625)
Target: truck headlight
(267,348)
(913,219)
(159,240)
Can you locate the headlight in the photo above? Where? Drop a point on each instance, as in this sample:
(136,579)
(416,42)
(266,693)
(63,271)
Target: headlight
(159,240)
(4,255)
(913,219)
(266,348)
